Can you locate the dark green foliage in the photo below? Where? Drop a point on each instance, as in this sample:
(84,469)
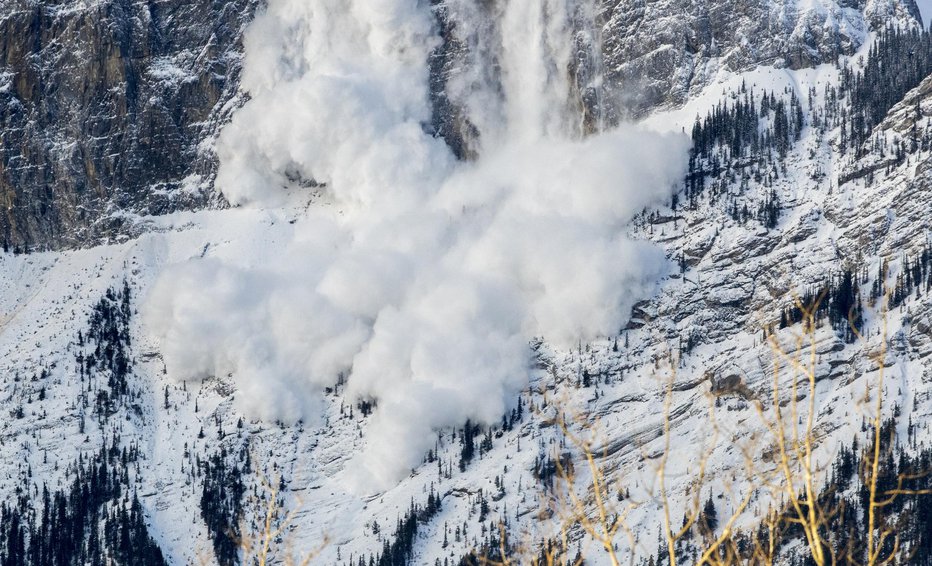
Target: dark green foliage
(708,519)
(468,442)
(846,499)
(733,131)
(844,503)
(96,519)
(769,213)
(490,551)
(222,506)
(897,62)
(108,342)
(744,138)
(546,468)
(839,300)
(914,277)
(397,551)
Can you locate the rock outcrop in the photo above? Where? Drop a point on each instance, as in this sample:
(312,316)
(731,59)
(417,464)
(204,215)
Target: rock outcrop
(107,108)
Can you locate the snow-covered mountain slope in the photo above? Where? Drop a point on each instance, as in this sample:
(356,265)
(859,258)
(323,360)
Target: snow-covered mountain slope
(822,192)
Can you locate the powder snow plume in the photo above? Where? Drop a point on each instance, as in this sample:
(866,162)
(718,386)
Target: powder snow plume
(420,278)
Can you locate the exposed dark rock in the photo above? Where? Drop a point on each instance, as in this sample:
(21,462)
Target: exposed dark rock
(104,110)
(108,108)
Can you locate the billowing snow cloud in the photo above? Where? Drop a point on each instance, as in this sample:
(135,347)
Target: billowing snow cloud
(424,278)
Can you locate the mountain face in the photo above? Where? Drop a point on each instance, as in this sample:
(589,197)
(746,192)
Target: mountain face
(114,106)
(662,52)
(107,110)
(808,177)
(633,56)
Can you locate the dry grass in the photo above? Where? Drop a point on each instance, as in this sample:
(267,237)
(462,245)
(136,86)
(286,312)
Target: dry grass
(580,507)
(793,483)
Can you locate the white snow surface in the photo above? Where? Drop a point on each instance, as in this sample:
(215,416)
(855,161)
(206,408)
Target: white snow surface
(47,296)
(236,363)
(419,278)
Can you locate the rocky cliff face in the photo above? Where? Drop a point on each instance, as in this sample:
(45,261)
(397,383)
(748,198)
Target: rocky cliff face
(107,109)
(661,52)
(631,56)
